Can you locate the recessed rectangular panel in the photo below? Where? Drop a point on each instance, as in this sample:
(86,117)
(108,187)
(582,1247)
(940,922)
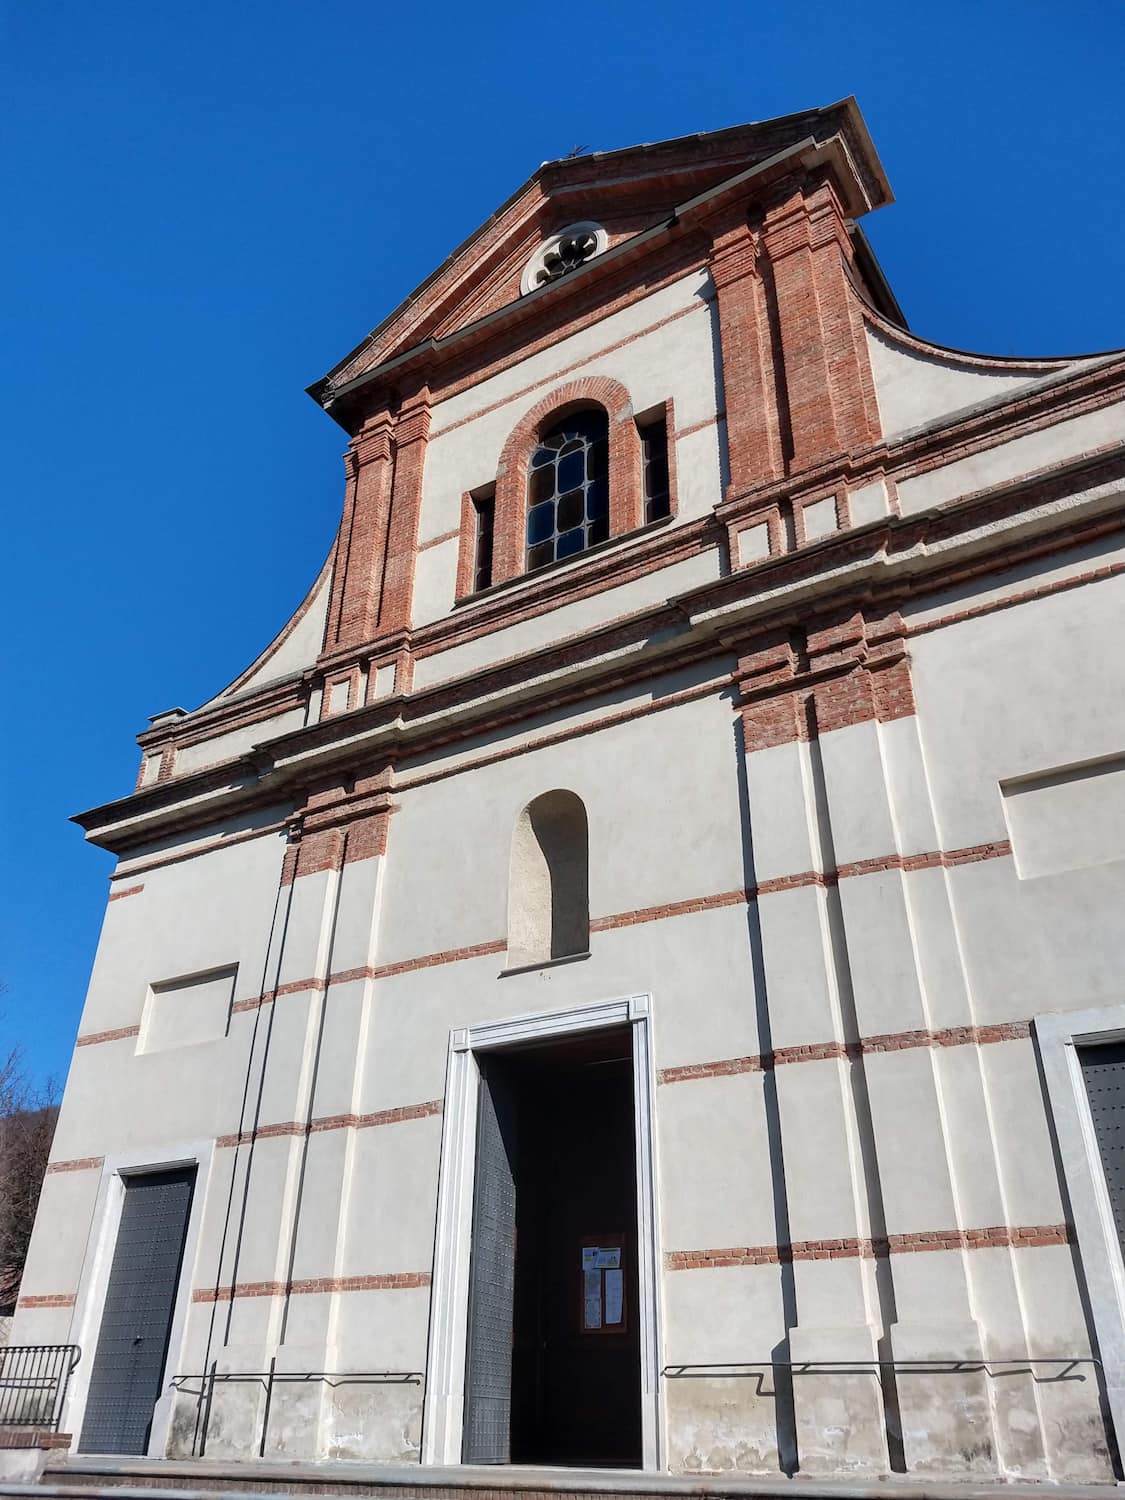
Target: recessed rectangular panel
(181,1012)
(1067,819)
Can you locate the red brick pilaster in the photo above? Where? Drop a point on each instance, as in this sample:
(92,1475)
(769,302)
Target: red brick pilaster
(411,433)
(751,395)
(357,583)
(827,371)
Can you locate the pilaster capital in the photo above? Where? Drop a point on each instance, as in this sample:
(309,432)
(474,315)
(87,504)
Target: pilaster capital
(735,248)
(372,444)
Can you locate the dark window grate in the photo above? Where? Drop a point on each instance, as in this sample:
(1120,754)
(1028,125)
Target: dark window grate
(484,507)
(654,459)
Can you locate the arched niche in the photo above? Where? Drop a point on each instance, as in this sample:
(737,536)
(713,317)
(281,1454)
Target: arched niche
(549,885)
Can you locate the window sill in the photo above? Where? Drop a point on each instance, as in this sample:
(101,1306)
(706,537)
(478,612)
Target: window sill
(551,570)
(548,963)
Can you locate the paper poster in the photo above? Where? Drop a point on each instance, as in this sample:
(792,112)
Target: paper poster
(614,1296)
(594,1258)
(592,1299)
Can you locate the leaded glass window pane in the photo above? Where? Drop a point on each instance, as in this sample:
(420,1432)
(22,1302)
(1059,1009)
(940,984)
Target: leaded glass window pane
(568,489)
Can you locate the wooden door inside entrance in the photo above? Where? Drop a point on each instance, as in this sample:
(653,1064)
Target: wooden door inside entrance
(555,1330)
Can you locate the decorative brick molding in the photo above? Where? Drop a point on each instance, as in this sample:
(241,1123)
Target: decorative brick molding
(840,669)
(1011,601)
(118,1034)
(696,308)
(393,1116)
(993,1238)
(625,507)
(898,1041)
(76,1164)
(130,890)
(33,1437)
(391,1281)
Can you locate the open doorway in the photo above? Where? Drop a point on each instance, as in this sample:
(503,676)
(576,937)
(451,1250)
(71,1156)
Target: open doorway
(552,1370)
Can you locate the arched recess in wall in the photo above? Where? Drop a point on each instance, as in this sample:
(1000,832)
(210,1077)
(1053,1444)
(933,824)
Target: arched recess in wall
(549,881)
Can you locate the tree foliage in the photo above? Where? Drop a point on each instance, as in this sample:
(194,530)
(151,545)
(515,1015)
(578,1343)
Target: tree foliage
(27,1125)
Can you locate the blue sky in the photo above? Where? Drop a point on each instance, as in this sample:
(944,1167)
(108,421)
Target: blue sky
(209,204)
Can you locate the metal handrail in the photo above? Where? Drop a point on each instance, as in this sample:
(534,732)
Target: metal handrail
(33,1383)
(748,1369)
(271,1377)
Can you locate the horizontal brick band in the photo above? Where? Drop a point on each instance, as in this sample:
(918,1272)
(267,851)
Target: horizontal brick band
(906,863)
(902,862)
(47,1299)
(436,541)
(895,1041)
(33,1437)
(555,376)
(130,890)
(390,1281)
(76,1164)
(93,1038)
(1008,601)
(670,909)
(337,1122)
(997,1236)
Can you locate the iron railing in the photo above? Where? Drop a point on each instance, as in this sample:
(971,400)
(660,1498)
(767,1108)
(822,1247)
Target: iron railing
(202,1387)
(33,1382)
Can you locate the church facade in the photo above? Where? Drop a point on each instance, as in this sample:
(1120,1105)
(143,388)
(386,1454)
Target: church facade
(633,975)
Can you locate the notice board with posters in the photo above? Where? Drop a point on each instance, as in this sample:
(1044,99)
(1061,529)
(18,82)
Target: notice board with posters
(603,1302)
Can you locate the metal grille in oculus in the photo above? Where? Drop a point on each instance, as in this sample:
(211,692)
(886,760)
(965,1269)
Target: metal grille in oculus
(568,489)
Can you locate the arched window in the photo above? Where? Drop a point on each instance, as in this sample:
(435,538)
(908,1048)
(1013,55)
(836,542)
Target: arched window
(568,488)
(548,890)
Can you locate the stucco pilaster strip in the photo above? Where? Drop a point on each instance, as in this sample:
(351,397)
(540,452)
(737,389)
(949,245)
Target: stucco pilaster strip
(948,1036)
(130,890)
(389,1281)
(1025,596)
(997,1236)
(94,1038)
(77,1164)
(46,1299)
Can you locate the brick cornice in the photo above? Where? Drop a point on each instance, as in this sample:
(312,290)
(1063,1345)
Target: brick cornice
(782,591)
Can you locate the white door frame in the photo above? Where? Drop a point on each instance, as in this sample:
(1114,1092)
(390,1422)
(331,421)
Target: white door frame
(445,1363)
(94,1283)
(1059,1036)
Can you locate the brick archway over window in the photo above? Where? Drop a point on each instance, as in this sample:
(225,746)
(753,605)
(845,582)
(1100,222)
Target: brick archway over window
(625,509)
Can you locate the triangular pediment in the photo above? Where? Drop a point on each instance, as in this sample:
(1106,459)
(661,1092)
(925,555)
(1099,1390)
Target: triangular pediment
(626,192)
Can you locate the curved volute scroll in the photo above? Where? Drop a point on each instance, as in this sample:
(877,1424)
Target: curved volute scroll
(549,881)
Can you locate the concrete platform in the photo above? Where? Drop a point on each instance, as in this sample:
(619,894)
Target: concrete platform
(81,1477)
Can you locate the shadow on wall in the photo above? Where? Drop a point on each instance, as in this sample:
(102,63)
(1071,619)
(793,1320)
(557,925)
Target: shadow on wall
(548,884)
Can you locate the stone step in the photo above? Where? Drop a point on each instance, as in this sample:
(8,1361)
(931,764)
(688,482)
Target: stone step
(117,1478)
